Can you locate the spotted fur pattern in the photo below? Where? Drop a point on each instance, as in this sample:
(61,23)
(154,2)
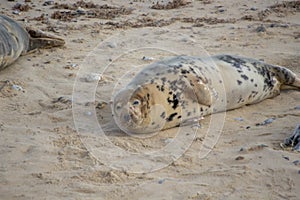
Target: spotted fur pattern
(184,88)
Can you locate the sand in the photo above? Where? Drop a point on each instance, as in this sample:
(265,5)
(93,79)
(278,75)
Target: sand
(46,151)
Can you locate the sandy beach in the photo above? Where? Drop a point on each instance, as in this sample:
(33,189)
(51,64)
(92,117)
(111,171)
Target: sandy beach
(53,100)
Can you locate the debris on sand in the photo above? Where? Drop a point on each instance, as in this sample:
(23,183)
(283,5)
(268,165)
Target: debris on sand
(267,121)
(293,141)
(170,5)
(21,7)
(88,9)
(285,7)
(155,22)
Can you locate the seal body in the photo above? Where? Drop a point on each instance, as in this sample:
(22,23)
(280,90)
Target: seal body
(182,89)
(16,40)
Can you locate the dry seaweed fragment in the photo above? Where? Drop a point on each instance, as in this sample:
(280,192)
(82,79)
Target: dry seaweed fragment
(170,5)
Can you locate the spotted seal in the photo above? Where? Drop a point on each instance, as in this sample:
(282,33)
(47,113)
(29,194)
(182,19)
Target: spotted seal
(16,40)
(176,90)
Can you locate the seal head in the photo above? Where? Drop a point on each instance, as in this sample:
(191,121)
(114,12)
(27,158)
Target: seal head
(136,110)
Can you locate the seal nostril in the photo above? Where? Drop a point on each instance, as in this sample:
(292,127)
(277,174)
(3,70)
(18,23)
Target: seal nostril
(127,118)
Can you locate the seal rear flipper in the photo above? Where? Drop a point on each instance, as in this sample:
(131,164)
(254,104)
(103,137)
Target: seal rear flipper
(296,83)
(40,39)
(288,79)
(294,86)
(43,43)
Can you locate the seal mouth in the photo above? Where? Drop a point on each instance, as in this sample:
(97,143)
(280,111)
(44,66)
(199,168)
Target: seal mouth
(132,116)
(135,115)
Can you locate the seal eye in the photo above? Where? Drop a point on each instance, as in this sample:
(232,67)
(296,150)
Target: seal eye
(136,102)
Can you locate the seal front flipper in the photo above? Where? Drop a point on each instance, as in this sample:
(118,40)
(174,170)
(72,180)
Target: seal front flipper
(200,90)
